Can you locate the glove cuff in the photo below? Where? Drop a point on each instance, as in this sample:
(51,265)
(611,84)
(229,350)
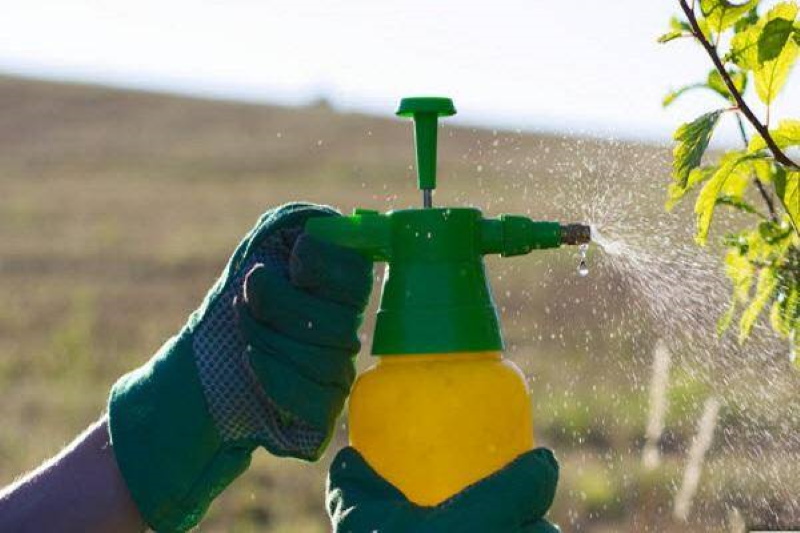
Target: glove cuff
(165,443)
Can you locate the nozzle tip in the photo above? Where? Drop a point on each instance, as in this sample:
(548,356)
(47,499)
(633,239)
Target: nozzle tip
(576,234)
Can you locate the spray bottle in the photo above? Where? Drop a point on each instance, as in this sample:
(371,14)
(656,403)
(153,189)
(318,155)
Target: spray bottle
(441,408)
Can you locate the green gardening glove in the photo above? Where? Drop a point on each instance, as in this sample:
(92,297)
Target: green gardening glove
(513,500)
(266,360)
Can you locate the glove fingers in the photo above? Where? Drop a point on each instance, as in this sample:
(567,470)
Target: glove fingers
(518,494)
(276,303)
(331,272)
(356,480)
(358,499)
(314,403)
(287,216)
(326,366)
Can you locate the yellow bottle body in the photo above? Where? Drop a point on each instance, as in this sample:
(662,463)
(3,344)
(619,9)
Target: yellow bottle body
(433,424)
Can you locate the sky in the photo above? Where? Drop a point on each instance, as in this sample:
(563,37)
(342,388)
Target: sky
(581,66)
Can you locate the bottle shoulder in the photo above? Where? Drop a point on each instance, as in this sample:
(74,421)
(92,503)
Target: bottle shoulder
(480,370)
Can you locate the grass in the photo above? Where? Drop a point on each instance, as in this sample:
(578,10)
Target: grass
(119,209)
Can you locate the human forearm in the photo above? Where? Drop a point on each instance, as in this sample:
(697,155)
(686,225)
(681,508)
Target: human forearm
(81,489)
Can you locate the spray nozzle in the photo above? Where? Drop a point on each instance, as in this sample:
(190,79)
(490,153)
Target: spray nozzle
(576,234)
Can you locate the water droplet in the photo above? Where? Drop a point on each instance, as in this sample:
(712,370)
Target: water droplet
(583,268)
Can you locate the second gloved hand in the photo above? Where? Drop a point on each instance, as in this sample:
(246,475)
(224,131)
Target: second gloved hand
(513,500)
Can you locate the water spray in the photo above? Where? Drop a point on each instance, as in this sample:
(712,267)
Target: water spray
(442,408)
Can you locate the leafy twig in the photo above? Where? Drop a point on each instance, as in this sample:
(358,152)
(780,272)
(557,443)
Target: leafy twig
(773,214)
(737,96)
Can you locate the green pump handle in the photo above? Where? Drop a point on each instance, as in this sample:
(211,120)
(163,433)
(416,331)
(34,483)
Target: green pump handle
(436,298)
(426,110)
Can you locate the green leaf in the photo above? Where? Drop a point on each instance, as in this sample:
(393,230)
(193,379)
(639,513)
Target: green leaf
(741,273)
(785,314)
(744,48)
(676,191)
(764,170)
(786,135)
(731,169)
(671,36)
(717,84)
(678,28)
(726,319)
(765,290)
(776,52)
(771,78)
(771,234)
(773,38)
(776,318)
(703,25)
(722,14)
(693,138)
(756,44)
(677,24)
(787,186)
(673,95)
(746,21)
(737,203)
(714,82)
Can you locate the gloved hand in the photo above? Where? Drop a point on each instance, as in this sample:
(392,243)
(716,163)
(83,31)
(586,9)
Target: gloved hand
(513,500)
(266,360)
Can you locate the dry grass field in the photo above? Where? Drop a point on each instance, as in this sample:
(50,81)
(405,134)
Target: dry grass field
(118,210)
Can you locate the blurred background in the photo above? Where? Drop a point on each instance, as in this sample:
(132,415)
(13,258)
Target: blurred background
(139,141)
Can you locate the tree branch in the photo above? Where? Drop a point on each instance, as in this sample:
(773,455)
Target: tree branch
(767,197)
(737,96)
